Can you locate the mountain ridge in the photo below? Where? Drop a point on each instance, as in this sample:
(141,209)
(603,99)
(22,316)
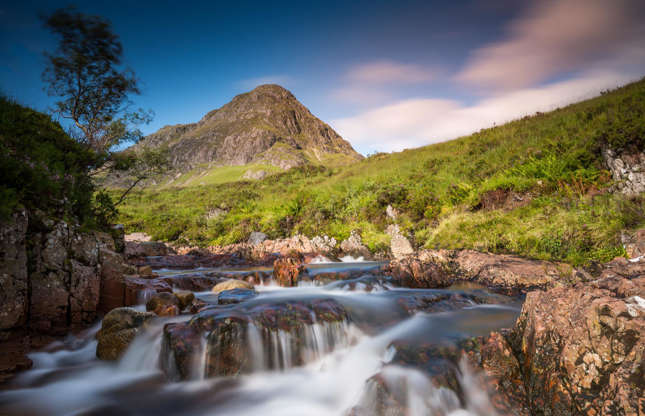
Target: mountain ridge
(267,125)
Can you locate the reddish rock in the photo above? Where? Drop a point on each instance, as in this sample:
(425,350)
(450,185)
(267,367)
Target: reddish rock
(137,289)
(504,273)
(113,271)
(582,349)
(164,304)
(287,269)
(146,249)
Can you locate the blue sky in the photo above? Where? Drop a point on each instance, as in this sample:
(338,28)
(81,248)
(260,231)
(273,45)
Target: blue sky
(385,74)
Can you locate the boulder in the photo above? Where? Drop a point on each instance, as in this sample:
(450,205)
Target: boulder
(287,269)
(399,245)
(581,349)
(185,298)
(354,247)
(146,249)
(231,284)
(118,329)
(164,304)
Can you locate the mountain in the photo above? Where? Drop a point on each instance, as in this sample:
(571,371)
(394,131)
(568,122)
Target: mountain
(266,126)
(561,185)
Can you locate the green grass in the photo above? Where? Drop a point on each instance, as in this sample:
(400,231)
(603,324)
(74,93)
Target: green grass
(552,159)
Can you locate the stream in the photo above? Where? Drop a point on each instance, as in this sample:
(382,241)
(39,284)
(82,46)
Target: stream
(359,346)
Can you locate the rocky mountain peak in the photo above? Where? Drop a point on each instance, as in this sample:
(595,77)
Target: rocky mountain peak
(267,125)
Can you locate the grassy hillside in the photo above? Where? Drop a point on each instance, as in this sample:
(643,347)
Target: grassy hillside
(535,186)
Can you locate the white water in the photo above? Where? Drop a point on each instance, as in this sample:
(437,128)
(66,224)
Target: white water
(337,377)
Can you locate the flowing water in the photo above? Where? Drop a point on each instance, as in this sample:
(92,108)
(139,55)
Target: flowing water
(341,367)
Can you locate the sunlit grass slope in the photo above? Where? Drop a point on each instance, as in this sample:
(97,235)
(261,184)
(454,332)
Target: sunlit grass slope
(536,187)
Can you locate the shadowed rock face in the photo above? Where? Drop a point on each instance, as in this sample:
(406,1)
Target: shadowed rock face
(267,125)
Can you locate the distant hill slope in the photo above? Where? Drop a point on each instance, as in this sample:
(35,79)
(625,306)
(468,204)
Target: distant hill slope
(538,187)
(267,127)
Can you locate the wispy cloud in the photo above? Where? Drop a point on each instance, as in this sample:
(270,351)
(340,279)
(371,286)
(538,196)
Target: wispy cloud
(250,83)
(417,122)
(554,37)
(389,72)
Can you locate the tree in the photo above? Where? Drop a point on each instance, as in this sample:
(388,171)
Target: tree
(85,73)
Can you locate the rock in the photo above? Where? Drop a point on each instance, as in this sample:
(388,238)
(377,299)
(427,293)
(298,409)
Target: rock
(230,346)
(255,174)
(139,290)
(118,329)
(627,170)
(399,245)
(324,244)
(146,249)
(635,245)
(118,235)
(164,304)
(391,212)
(419,272)
(287,269)
(185,298)
(354,247)
(230,296)
(137,237)
(581,349)
(256,238)
(113,272)
(231,284)
(145,271)
(85,288)
(506,274)
(13,272)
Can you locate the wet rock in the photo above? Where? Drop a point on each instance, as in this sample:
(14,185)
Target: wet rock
(138,290)
(164,304)
(287,269)
(13,271)
(227,336)
(185,298)
(581,349)
(354,247)
(145,271)
(231,284)
(118,329)
(228,297)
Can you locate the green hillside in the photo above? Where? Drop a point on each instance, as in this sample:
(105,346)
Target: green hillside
(536,187)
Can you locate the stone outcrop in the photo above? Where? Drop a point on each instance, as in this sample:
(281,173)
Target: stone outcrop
(399,245)
(627,170)
(353,246)
(634,243)
(581,349)
(504,273)
(118,329)
(14,298)
(52,274)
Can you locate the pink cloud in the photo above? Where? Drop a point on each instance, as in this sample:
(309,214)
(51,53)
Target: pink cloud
(554,37)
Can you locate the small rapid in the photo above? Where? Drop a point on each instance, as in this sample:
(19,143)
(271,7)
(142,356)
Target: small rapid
(350,347)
